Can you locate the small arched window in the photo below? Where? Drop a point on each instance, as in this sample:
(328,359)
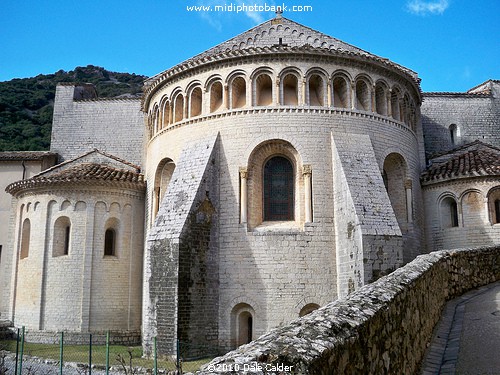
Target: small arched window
(62,236)
(110,242)
(278,189)
(494,205)
(453,134)
(449,213)
(25,239)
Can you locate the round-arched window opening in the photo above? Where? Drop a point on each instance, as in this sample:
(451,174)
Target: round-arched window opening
(278,189)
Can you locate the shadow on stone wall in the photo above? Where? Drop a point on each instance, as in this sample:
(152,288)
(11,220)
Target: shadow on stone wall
(382,328)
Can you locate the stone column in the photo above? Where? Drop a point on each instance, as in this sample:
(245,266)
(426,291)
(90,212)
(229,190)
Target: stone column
(389,104)
(409,200)
(303,100)
(225,96)
(329,93)
(374,106)
(243,195)
(278,91)
(353,95)
(170,113)
(307,173)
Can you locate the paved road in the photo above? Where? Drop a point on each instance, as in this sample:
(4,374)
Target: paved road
(467,339)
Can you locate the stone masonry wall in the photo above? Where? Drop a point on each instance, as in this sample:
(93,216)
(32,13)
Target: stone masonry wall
(383,328)
(181,255)
(475,116)
(115,126)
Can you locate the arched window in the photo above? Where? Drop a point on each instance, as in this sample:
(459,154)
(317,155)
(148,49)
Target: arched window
(290,90)
(449,213)
(62,236)
(395,106)
(394,176)
(263,90)
(453,134)
(163,175)
(309,308)
(278,189)
(179,108)
(381,99)
(494,205)
(25,239)
(195,102)
(238,93)
(316,90)
(363,97)
(110,242)
(340,93)
(242,324)
(216,98)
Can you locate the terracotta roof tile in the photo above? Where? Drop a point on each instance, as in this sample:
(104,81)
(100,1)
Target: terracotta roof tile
(82,174)
(473,159)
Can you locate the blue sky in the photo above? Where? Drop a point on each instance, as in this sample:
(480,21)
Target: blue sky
(452,44)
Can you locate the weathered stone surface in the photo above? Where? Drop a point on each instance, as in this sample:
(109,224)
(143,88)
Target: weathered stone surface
(384,327)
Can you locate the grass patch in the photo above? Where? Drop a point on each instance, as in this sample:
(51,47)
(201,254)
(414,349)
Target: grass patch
(80,354)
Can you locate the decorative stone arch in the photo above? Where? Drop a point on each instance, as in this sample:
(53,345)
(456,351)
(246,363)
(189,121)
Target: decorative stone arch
(178,105)
(290,84)
(448,210)
(111,243)
(382,98)
(406,109)
(242,324)
(253,177)
(215,89)
(195,99)
(307,309)
(317,88)
(494,205)
(163,175)
(164,112)
(472,208)
(363,93)
(399,188)
(396,103)
(61,238)
(262,87)
(413,115)
(341,88)
(237,83)
(156,116)
(25,239)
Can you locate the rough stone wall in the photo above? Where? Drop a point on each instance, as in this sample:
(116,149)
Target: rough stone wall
(475,227)
(115,126)
(295,262)
(368,238)
(82,291)
(382,328)
(180,295)
(476,116)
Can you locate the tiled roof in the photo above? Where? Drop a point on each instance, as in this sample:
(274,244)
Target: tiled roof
(25,155)
(86,173)
(276,36)
(471,160)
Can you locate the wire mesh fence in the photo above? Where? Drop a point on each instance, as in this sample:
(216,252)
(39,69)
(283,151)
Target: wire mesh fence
(21,356)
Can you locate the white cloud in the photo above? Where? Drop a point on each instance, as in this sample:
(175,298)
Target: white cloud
(215,18)
(424,7)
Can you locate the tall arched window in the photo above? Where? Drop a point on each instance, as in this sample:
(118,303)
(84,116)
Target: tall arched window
(25,239)
(110,242)
(453,134)
(449,213)
(278,189)
(62,236)
(494,205)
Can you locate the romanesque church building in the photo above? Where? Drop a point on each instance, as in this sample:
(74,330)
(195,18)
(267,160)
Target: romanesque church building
(248,186)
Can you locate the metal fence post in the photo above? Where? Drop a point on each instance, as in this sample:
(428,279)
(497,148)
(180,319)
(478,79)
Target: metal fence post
(22,350)
(61,352)
(107,353)
(178,358)
(155,369)
(17,349)
(90,355)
